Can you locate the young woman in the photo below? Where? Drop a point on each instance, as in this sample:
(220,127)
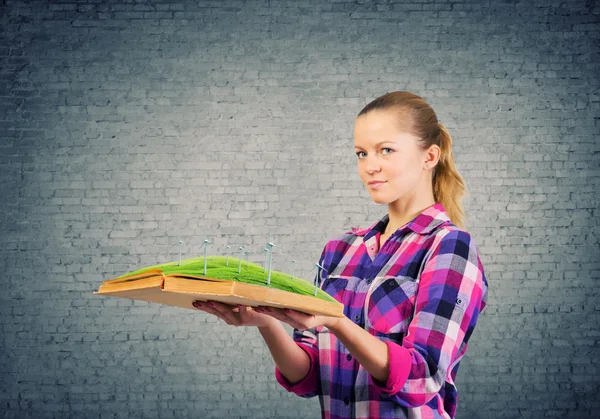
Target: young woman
(412,283)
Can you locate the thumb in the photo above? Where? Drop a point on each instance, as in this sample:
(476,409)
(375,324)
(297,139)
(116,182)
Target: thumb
(244,310)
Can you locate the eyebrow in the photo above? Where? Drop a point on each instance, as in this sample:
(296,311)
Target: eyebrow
(377,145)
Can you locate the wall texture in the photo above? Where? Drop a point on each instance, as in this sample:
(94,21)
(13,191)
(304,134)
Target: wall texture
(126,126)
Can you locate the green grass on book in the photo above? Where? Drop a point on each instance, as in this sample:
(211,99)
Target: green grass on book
(251,273)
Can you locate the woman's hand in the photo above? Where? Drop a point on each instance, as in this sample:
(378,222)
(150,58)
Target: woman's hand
(239,315)
(298,319)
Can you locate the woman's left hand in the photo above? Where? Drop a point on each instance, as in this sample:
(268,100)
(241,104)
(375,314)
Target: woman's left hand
(298,319)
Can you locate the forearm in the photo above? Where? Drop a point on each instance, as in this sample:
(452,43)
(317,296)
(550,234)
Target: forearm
(290,359)
(369,351)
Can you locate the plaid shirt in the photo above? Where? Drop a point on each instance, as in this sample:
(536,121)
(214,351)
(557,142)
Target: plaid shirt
(421,294)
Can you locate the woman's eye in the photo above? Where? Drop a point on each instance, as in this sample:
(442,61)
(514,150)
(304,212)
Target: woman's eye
(389,149)
(360,154)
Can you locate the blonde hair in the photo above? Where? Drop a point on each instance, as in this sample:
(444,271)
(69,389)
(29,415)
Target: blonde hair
(448,185)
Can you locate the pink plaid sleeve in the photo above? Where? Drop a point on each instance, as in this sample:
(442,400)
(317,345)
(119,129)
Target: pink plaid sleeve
(451,294)
(309,385)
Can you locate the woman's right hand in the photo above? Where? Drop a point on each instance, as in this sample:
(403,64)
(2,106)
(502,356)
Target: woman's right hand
(240,315)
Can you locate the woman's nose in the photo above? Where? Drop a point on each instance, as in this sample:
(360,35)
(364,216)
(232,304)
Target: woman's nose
(372,166)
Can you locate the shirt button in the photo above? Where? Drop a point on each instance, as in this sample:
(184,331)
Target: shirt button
(357,317)
(349,357)
(346,401)
(369,281)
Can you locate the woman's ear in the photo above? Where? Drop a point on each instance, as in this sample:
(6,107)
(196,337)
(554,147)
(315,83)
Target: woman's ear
(432,156)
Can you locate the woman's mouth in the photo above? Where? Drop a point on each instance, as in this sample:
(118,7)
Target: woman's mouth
(375,184)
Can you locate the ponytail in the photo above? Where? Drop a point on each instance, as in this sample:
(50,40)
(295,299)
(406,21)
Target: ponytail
(448,184)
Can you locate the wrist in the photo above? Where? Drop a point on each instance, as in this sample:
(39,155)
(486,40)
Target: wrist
(335,323)
(270,322)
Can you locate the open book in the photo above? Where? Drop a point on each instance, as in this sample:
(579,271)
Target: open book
(227,280)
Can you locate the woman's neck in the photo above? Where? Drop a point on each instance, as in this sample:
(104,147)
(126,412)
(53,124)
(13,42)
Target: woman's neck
(399,214)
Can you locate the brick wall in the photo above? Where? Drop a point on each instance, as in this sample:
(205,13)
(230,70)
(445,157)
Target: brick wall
(128,126)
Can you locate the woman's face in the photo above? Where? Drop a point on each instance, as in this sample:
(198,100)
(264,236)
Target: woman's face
(390,163)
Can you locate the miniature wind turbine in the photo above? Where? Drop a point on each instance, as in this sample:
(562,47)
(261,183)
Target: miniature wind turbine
(293,265)
(318,276)
(266,249)
(247,252)
(227,247)
(270,246)
(241,257)
(180,243)
(205,243)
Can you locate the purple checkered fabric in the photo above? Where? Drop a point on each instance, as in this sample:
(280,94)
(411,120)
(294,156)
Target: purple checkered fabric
(421,294)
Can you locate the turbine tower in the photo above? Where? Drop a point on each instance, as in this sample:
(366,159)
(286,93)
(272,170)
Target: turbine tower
(205,243)
(318,276)
(270,246)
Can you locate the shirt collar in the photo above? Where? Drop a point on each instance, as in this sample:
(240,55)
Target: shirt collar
(424,223)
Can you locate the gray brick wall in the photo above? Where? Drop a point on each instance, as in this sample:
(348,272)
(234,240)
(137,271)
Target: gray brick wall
(128,126)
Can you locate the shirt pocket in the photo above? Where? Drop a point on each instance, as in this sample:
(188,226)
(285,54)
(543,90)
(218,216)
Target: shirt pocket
(335,286)
(390,303)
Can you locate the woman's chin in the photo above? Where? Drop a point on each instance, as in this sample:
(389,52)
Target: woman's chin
(379,200)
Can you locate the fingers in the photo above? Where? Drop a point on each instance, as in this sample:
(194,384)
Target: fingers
(222,311)
(206,307)
(242,315)
(301,321)
(282,315)
(244,310)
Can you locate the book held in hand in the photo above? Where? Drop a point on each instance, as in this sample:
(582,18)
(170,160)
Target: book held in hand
(231,281)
